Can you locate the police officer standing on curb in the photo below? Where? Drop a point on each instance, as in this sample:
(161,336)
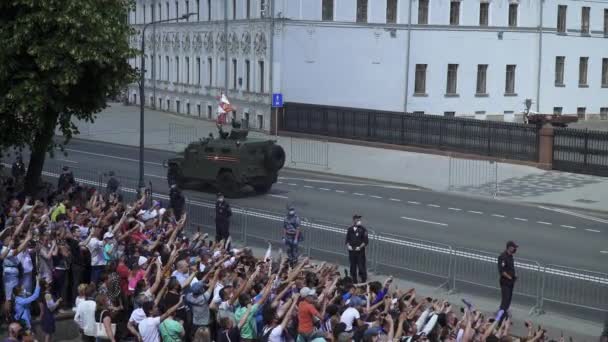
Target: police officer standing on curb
(113,184)
(292,235)
(506,271)
(66,180)
(223,212)
(18,169)
(177,201)
(356,241)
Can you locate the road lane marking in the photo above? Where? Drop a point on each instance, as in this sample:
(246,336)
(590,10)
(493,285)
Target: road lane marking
(418,245)
(324,189)
(587,217)
(374,196)
(358,194)
(68,161)
(397,187)
(279,182)
(424,221)
(434,205)
(566,226)
(520,219)
(413,202)
(292,184)
(113,157)
(593,230)
(155,176)
(498,215)
(309,187)
(395,199)
(545,223)
(340,191)
(279,196)
(475,212)
(455,209)
(604,252)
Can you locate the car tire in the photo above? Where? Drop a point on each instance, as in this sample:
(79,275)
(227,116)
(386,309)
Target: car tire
(274,158)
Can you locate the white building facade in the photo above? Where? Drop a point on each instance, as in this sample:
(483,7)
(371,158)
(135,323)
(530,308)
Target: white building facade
(471,58)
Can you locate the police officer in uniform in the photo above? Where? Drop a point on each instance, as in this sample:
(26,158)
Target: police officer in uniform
(292,235)
(506,271)
(356,241)
(18,169)
(177,201)
(113,183)
(66,180)
(223,212)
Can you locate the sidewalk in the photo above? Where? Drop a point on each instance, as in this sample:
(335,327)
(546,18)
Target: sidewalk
(120,124)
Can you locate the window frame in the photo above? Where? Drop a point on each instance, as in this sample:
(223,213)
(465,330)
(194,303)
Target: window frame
(560,65)
(604,72)
(454,12)
(481,84)
(423,12)
(420,79)
(262,74)
(583,72)
(562,18)
(585,20)
(327,10)
(510,73)
(392,19)
(484,9)
(362,11)
(452,80)
(513,15)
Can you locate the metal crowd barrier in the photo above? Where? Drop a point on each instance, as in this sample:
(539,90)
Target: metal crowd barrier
(309,152)
(441,264)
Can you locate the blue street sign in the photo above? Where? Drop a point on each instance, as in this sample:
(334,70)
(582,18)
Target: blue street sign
(277,100)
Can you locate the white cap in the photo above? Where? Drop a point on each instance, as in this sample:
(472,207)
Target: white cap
(142,260)
(108,235)
(306,291)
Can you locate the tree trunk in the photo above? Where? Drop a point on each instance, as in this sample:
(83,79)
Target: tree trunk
(38,153)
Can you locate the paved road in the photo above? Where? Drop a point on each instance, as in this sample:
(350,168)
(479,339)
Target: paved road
(546,236)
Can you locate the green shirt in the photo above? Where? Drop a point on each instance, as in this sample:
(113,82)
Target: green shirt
(170,330)
(59,210)
(249,330)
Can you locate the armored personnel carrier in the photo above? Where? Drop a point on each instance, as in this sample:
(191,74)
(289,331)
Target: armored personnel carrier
(232,163)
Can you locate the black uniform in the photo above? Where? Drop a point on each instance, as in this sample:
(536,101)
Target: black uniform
(223,212)
(113,185)
(177,202)
(356,237)
(506,264)
(18,169)
(66,179)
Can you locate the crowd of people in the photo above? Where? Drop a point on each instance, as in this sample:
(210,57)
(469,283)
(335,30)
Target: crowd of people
(133,272)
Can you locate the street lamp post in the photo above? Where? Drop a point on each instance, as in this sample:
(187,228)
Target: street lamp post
(142,97)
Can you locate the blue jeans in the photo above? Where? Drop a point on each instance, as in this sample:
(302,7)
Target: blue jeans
(96,273)
(291,248)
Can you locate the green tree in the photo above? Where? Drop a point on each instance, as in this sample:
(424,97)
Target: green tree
(59,62)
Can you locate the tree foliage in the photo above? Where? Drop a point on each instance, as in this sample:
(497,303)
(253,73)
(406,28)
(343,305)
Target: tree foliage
(59,62)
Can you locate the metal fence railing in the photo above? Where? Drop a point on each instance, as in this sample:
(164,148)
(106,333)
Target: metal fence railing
(310,152)
(438,264)
(479,177)
(580,151)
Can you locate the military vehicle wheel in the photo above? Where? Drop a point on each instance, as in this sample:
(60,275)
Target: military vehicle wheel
(274,159)
(262,188)
(226,183)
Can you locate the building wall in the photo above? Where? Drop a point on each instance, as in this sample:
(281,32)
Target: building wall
(343,62)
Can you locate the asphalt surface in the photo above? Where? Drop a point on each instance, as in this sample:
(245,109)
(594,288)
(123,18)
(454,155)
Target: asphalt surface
(546,236)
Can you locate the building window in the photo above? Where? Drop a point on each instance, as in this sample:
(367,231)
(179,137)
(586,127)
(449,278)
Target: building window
(209,112)
(260,122)
(198,110)
(160,104)
(247,75)
(513,14)
(454,12)
(560,62)
(198,10)
(177,69)
(233,9)
(209,10)
(158,68)
(234,74)
(144,10)
(558,110)
(391,11)
(510,79)
(585,13)
(198,70)
(248,9)
(261,71)
(604,72)
(562,12)
(187,70)
(580,112)
(188,108)
(482,70)
(582,71)
(167,15)
(423,12)
(604,113)
(168,105)
(188,10)
(484,13)
(167,67)
(361,11)
(177,9)
(210,71)
(327,10)
(420,79)
(452,83)
(262,8)
(159,12)
(606,22)
(449,114)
